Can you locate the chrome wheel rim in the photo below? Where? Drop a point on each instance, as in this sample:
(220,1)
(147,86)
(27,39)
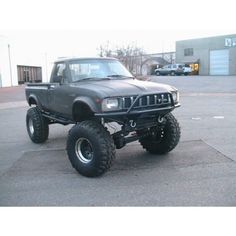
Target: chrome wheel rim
(31,126)
(84,150)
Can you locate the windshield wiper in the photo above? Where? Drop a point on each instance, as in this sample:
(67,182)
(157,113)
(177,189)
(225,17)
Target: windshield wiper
(92,78)
(120,76)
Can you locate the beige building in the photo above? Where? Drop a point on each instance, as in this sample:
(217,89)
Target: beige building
(209,56)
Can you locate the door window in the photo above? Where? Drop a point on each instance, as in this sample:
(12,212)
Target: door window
(60,71)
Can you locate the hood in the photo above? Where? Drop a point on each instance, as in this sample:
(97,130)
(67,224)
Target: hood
(122,87)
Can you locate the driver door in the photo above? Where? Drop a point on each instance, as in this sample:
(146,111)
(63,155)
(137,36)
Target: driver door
(59,98)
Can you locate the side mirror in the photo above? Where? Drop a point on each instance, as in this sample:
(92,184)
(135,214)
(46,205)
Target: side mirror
(57,79)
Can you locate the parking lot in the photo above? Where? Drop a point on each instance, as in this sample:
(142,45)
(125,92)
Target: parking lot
(201,171)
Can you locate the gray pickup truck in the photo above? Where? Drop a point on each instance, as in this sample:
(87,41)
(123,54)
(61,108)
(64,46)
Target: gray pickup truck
(92,94)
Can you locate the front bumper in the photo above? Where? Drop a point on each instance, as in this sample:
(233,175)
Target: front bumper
(162,110)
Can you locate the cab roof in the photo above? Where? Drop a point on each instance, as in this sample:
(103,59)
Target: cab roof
(67,59)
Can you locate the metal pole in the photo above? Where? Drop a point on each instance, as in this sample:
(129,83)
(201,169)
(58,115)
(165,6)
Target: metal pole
(9,56)
(46,62)
(141,63)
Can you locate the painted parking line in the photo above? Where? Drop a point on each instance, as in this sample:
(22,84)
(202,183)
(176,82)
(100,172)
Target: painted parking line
(218,117)
(196,118)
(214,117)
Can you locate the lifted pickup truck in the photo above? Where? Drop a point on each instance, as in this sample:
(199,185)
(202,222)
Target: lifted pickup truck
(92,93)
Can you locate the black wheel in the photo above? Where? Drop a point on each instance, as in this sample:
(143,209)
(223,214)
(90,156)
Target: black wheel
(90,148)
(164,139)
(157,73)
(37,125)
(172,73)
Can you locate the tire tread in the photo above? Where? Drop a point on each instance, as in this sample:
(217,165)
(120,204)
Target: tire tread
(167,144)
(41,129)
(105,141)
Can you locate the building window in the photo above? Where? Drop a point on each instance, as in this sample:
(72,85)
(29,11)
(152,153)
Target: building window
(188,52)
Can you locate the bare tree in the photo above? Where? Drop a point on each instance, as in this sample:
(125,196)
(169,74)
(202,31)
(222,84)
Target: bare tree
(105,50)
(130,55)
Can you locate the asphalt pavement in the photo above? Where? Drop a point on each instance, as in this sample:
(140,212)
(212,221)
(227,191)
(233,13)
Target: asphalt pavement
(201,171)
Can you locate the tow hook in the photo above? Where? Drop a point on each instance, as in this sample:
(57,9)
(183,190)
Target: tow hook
(160,119)
(132,123)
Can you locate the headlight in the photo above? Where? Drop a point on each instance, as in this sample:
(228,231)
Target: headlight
(175,95)
(110,104)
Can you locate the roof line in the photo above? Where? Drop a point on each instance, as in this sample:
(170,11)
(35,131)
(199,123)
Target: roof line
(216,36)
(83,58)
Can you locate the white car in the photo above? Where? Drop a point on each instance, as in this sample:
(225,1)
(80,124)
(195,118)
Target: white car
(187,69)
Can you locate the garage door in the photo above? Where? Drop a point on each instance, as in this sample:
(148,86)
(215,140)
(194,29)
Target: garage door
(219,62)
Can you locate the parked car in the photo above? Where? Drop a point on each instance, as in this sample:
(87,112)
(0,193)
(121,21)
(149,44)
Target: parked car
(92,92)
(174,69)
(187,69)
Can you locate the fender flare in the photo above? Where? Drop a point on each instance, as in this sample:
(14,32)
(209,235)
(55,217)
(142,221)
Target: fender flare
(34,97)
(85,101)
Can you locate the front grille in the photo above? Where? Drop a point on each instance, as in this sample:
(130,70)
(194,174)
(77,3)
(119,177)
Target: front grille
(146,101)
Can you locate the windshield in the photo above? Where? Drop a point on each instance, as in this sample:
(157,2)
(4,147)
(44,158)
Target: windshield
(97,69)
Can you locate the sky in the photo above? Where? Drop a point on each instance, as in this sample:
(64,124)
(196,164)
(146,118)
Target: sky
(61,43)
(78,28)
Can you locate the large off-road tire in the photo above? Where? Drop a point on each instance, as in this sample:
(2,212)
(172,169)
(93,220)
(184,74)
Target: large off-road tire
(90,148)
(37,125)
(166,139)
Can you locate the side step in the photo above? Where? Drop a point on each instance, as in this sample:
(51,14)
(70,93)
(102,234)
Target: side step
(58,119)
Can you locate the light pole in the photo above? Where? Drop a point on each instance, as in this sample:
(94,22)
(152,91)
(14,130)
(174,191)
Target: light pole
(9,56)
(46,66)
